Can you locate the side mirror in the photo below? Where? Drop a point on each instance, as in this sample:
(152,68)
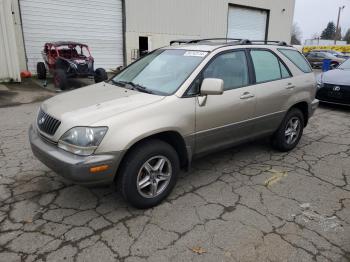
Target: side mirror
(212,86)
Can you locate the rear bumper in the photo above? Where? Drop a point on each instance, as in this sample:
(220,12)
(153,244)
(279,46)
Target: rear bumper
(73,167)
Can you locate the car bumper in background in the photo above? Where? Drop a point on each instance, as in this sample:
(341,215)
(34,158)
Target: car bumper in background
(329,95)
(73,167)
(313,106)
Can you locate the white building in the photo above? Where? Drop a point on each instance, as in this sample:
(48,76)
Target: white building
(118,30)
(323,42)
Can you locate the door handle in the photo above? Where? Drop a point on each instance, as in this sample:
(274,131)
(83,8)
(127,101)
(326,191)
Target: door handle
(247,95)
(290,86)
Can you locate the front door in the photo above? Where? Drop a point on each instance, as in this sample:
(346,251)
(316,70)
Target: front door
(222,120)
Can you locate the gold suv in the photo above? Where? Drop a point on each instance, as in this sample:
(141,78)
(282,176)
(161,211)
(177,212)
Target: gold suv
(179,102)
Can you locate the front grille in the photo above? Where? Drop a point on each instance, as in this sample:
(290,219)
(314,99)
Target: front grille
(332,85)
(47,123)
(334,93)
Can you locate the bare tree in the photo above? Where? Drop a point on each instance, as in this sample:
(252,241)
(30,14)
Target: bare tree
(347,36)
(296,35)
(338,34)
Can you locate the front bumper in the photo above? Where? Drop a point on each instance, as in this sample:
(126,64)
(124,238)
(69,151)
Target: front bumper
(328,96)
(73,167)
(313,106)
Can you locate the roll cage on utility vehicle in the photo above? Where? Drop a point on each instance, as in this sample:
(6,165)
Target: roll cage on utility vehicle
(67,59)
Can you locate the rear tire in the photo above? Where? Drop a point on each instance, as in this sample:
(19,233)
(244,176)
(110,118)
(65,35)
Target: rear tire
(140,182)
(60,79)
(290,131)
(100,75)
(41,70)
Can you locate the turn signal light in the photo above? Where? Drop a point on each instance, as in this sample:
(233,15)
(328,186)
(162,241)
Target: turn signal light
(97,169)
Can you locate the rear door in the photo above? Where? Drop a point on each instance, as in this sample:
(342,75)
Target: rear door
(273,89)
(222,120)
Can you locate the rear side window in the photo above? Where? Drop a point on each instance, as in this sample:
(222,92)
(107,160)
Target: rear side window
(297,59)
(267,66)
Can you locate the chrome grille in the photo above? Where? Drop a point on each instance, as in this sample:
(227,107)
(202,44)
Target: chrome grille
(47,123)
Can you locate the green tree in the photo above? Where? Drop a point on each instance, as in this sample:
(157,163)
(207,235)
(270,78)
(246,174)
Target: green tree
(347,36)
(329,31)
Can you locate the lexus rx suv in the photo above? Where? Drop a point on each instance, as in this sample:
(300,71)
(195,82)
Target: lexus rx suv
(194,97)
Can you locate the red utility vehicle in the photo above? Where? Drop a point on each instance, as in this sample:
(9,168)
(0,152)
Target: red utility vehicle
(68,59)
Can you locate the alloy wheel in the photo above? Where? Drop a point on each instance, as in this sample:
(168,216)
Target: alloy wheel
(154,176)
(292,130)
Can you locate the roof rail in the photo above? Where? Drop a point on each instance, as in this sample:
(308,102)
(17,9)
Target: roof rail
(195,41)
(245,42)
(235,41)
(181,41)
(227,40)
(267,42)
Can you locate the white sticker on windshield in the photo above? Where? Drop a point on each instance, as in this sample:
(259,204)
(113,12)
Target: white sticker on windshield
(195,53)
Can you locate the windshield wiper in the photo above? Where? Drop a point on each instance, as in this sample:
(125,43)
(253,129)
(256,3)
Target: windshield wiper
(133,86)
(118,83)
(138,87)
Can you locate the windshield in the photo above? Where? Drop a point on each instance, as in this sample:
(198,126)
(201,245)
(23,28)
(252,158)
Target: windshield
(161,72)
(345,65)
(336,53)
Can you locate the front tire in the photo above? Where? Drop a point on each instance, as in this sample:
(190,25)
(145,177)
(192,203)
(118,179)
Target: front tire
(148,173)
(290,131)
(100,75)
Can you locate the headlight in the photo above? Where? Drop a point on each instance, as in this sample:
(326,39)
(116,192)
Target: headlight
(319,85)
(82,140)
(319,82)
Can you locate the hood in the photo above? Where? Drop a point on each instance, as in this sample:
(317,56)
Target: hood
(90,104)
(336,77)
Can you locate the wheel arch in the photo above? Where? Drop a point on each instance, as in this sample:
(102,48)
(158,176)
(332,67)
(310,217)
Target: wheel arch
(173,138)
(303,106)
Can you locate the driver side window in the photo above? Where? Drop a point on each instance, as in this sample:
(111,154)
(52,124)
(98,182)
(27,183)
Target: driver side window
(231,67)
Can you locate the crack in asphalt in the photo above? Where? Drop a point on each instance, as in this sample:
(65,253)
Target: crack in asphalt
(222,204)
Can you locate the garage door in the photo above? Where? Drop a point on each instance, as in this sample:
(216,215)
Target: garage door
(96,23)
(247,23)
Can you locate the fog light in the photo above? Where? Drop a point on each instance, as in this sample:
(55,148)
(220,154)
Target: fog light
(97,169)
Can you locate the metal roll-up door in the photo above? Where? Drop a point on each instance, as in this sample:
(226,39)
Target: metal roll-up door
(96,23)
(247,23)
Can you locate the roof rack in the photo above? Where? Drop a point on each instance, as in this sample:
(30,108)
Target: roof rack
(268,42)
(230,41)
(195,41)
(181,41)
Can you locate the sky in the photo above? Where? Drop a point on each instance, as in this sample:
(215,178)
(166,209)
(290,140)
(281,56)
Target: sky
(312,16)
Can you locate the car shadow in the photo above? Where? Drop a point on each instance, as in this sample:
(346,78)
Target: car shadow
(329,106)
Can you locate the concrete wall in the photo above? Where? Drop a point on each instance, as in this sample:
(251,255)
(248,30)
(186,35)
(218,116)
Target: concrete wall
(165,20)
